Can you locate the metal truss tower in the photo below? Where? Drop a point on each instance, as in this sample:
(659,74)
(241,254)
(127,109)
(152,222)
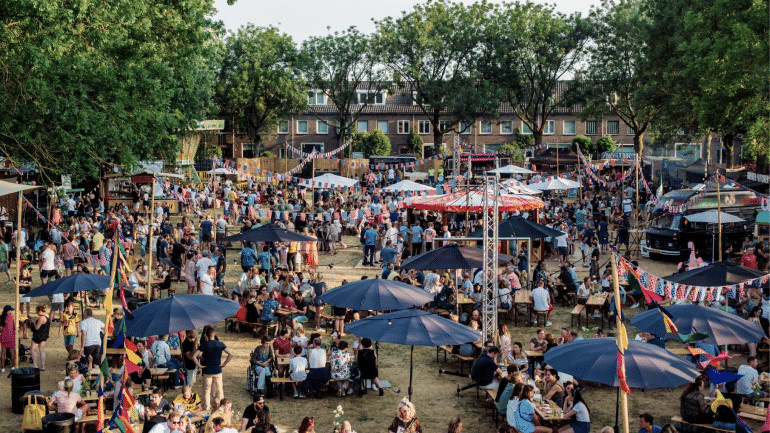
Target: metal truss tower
(491,223)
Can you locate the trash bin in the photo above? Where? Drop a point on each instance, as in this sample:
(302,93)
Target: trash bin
(23,380)
(59,423)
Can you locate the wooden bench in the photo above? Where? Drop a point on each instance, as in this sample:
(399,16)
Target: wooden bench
(446,349)
(462,359)
(282,380)
(443,313)
(707,427)
(576,313)
(538,315)
(268,327)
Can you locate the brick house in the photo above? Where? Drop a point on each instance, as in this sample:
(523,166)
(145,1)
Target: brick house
(396,115)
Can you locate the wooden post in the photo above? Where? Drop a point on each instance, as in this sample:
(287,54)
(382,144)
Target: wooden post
(108,313)
(149,241)
(18,283)
(719,216)
(619,328)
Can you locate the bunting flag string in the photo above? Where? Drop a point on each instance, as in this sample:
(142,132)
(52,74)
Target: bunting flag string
(667,289)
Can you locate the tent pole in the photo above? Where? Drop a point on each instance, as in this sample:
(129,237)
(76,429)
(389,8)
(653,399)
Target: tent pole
(151,233)
(411,368)
(619,328)
(18,284)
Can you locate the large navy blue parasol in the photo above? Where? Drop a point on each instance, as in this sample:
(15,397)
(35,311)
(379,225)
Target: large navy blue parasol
(596,360)
(724,273)
(722,327)
(268,233)
(452,256)
(516,226)
(413,328)
(377,294)
(179,313)
(80,282)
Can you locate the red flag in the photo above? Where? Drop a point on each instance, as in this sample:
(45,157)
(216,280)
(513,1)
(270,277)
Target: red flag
(129,427)
(130,345)
(130,367)
(621,374)
(100,414)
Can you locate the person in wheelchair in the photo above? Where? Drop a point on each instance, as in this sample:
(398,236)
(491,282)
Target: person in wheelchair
(261,363)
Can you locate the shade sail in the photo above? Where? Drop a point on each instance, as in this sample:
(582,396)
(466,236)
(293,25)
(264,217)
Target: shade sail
(511,169)
(7,188)
(408,185)
(329,180)
(554,183)
(474,202)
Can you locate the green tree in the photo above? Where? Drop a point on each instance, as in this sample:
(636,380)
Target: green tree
(342,67)
(615,79)
(523,140)
(513,151)
(433,50)
(88,83)
(605,143)
(585,144)
(259,81)
(528,50)
(415,144)
(374,142)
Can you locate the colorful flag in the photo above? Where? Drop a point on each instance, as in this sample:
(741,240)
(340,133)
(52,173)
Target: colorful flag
(716,377)
(668,323)
(622,373)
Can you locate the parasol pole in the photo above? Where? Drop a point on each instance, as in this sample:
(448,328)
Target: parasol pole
(719,217)
(619,327)
(411,368)
(18,284)
(152,231)
(107,312)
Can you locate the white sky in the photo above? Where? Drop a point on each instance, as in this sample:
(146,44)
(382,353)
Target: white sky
(304,18)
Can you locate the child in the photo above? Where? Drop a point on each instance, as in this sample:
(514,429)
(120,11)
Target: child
(299,339)
(297,369)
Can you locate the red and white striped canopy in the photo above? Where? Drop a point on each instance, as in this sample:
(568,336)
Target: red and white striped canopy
(461,201)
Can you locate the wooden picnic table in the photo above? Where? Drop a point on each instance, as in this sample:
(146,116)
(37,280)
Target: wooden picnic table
(544,411)
(597,300)
(465,300)
(752,412)
(522,297)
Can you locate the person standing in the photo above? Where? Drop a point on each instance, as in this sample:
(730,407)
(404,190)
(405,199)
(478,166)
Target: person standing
(208,358)
(47,263)
(90,337)
(370,240)
(189,349)
(416,238)
(40,331)
(429,234)
(69,325)
(7,336)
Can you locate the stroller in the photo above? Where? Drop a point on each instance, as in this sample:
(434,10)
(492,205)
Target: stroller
(24,355)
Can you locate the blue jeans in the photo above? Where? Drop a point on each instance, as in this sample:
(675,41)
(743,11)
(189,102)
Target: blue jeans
(142,246)
(369,253)
(262,373)
(174,364)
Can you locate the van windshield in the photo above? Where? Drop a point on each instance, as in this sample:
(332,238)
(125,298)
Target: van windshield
(668,221)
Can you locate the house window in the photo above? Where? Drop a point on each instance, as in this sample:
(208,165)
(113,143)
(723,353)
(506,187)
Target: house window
(362,126)
(309,147)
(550,127)
(250,150)
(382,125)
(506,127)
(423,127)
(631,131)
(403,127)
(321,127)
(613,127)
(485,127)
(282,152)
(445,125)
(525,129)
(592,127)
(301,126)
(283,127)
(374,98)
(316,98)
(570,127)
(466,128)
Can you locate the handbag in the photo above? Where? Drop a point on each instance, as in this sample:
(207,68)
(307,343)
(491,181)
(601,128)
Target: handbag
(33,415)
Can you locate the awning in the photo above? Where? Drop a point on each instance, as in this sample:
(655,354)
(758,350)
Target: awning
(8,188)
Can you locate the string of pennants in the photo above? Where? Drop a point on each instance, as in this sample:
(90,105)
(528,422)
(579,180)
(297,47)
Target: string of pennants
(591,170)
(328,154)
(670,289)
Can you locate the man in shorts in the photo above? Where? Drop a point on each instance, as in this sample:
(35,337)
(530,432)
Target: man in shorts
(47,263)
(90,338)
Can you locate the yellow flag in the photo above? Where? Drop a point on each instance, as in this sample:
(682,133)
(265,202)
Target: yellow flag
(719,401)
(108,302)
(133,357)
(622,339)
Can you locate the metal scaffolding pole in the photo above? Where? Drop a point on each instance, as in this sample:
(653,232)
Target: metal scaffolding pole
(490,221)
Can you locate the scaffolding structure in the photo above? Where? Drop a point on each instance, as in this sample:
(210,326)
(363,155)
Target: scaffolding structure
(490,259)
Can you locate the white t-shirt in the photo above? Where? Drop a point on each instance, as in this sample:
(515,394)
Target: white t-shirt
(48,257)
(208,284)
(510,411)
(561,241)
(581,412)
(245,282)
(92,327)
(745,385)
(317,358)
(627,205)
(297,367)
(202,266)
(540,299)
(583,291)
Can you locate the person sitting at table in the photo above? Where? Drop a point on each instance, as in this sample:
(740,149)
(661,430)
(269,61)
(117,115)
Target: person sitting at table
(224,412)
(692,405)
(646,424)
(261,363)
(137,279)
(251,412)
(163,359)
(190,400)
(160,402)
(574,405)
(568,284)
(68,401)
(553,389)
(524,414)
(77,379)
(518,357)
(318,375)
(299,311)
(484,369)
(505,389)
(171,424)
(282,349)
(750,376)
(550,341)
(584,291)
(541,303)
(143,377)
(151,417)
(511,405)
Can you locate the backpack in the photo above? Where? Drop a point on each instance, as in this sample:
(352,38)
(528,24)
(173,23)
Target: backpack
(33,414)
